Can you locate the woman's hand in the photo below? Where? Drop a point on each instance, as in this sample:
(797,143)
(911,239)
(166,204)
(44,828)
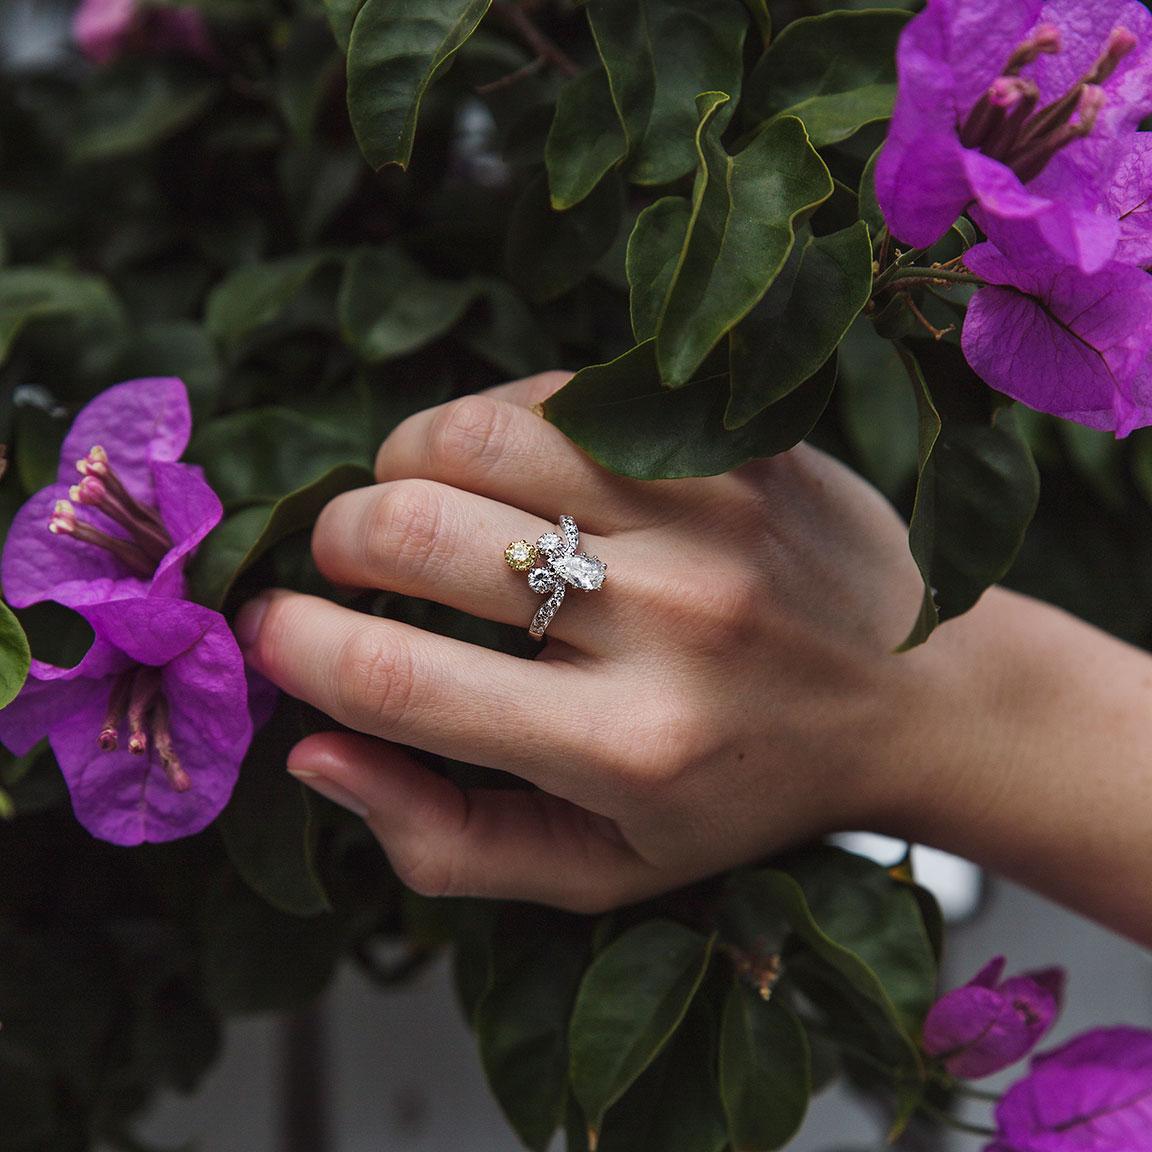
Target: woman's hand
(728,693)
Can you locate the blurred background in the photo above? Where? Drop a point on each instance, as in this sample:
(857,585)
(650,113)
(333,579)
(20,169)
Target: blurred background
(397,1071)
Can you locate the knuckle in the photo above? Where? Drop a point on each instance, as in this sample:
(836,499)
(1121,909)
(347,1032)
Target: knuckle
(467,432)
(374,679)
(661,750)
(403,527)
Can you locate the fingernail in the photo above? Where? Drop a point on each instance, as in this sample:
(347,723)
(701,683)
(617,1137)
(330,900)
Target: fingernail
(334,792)
(248,621)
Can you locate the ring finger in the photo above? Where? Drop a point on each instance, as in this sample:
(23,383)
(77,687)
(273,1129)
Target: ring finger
(439,543)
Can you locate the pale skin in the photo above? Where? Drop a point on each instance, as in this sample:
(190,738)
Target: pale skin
(732,690)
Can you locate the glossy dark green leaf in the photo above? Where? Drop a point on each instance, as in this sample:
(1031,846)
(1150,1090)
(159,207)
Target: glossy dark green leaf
(389,306)
(131,110)
(978,487)
(28,293)
(15,657)
(869,206)
(248,535)
(256,294)
(764,1071)
(761,17)
(341,17)
(397,48)
(744,211)
(761,907)
(263,454)
(537,961)
(861,906)
(836,72)
(877,410)
(684,435)
(586,140)
(268,830)
(660,55)
(630,1003)
(653,254)
(548,252)
(799,323)
(675,1104)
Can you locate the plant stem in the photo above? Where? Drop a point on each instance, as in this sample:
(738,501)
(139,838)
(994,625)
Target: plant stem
(921,275)
(304,1118)
(547,49)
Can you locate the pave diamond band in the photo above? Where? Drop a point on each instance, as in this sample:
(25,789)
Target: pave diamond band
(553,565)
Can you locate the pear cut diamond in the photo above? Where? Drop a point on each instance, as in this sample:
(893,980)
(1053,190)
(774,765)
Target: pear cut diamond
(581,570)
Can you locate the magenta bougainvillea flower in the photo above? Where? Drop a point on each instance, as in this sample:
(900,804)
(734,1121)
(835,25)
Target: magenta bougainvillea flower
(990,1023)
(1022,114)
(107,29)
(1092,1095)
(150,727)
(1062,341)
(123,516)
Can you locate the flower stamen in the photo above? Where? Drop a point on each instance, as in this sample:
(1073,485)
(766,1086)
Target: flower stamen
(1005,125)
(64,522)
(137,698)
(145,689)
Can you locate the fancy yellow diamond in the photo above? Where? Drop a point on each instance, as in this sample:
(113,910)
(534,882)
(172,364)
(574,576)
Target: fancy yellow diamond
(520,555)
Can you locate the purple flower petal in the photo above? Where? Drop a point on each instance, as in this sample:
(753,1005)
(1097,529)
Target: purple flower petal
(948,58)
(1130,199)
(126,798)
(1063,342)
(106,29)
(987,1025)
(137,422)
(1092,1095)
(190,510)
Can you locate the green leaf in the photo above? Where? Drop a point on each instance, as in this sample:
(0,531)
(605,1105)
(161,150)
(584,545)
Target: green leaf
(602,407)
(268,830)
(396,49)
(836,72)
(243,538)
(585,141)
(758,911)
(653,254)
(675,1104)
(389,306)
(762,18)
(631,1001)
(133,109)
(30,293)
(522,1020)
(548,253)
(799,323)
(15,657)
(764,1071)
(659,55)
(876,408)
(978,487)
(256,294)
(861,906)
(263,454)
(744,209)
(342,16)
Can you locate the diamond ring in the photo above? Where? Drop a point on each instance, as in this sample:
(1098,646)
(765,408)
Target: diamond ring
(553,563)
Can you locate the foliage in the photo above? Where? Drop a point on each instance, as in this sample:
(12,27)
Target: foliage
(352,211)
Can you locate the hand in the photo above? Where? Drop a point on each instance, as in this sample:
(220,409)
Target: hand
(728,693)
